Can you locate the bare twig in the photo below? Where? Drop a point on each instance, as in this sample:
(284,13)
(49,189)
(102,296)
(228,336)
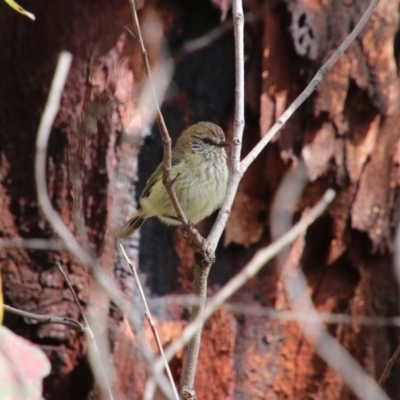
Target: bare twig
(285,199)
(236,172)
(192,351)
(47,319)
(168,180)
(149,389)
(255,264)
(33,244)
(151,322)
(223,215)
(362,385)
(214,34)
(65,276)
(58,225)
(94,352)
(46,122)
(389,366)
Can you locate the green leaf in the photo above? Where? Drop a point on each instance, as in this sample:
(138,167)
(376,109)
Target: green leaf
(19,9)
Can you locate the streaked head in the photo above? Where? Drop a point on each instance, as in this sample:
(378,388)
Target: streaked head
(203,137)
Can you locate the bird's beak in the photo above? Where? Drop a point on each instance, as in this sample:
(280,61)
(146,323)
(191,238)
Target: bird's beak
(223,144)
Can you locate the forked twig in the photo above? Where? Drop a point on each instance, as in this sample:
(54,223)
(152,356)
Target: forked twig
(45,319)
(147,313)
(253,267)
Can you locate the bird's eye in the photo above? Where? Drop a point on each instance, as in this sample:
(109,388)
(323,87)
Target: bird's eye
(206,141)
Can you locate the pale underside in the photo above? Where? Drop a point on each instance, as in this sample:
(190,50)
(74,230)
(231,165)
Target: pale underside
(202,188)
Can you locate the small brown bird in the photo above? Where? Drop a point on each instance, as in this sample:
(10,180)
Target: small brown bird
(200,175)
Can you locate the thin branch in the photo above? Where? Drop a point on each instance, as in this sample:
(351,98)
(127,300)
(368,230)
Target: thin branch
(253,267)
(133,318)
(33,244)
(65,276)
(149,390)
(168,180)
(214,34)
(286,197)
(187,390)
(46,122)
(151,322)
(328,348)
(97,362)
(47,319)
(223,215)
(236,172)
(58,225)
(389,366)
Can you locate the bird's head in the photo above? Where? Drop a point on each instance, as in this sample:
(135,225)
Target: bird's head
(203,138)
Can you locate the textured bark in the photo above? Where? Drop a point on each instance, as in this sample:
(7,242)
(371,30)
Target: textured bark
(347,133)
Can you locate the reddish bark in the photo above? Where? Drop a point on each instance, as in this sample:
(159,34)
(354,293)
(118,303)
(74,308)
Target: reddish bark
(347,133)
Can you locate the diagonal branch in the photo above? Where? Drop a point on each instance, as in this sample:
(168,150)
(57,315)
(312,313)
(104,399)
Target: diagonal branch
(151,322)
(252,268)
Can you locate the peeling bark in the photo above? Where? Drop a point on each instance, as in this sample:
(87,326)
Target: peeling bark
(347,133)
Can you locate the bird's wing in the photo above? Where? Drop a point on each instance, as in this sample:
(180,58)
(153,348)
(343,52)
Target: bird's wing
(158,173)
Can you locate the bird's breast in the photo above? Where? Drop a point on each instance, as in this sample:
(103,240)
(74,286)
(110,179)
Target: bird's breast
(202,187)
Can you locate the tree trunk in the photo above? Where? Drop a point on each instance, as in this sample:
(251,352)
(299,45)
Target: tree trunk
(347,133)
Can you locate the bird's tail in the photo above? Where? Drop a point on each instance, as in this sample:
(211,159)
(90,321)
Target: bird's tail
(131,226)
